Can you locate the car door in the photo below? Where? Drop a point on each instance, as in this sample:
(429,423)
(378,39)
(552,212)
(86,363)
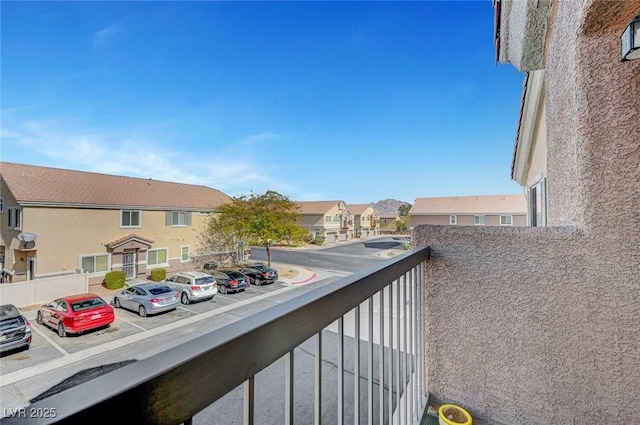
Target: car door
(138,298)
(58,313)
(171,283)
(128,296)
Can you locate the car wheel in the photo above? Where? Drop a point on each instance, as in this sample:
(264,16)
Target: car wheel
(61,331)
(184,298)
(142,311)
(222,289)
(116,302)
(39,318)
(257,282)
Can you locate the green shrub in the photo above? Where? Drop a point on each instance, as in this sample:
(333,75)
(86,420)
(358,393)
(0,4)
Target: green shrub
(115,279)
(158,274)
(319,240)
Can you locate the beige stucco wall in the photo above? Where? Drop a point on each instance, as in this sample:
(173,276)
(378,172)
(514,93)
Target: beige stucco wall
(540,325)
(465,220)
(66,233)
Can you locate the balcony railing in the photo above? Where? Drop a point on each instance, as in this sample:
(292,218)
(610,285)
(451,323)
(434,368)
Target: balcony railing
(379,311)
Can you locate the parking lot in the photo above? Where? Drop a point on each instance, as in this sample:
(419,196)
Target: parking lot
(46,345)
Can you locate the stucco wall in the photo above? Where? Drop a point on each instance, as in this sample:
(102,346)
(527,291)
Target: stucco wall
(541,325)
(531,325)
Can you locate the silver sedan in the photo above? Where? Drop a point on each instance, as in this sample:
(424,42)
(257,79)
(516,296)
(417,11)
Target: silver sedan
(147,298)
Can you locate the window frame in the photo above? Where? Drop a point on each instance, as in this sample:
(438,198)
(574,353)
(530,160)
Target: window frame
(178,214)
(479,220)
(157,264)
(503,216)
(453,219)
(130,226)
(1,204)
(182,254)
(95,263)
(14,218)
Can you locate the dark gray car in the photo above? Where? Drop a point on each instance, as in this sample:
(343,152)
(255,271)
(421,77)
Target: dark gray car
(15,329)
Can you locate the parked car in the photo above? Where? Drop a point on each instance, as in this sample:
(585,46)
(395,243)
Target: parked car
(147,298)
(193,286)
(75,314)
(260,274)
(230,281)
(15,329)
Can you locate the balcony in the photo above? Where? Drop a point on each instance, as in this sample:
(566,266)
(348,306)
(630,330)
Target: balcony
(371,322)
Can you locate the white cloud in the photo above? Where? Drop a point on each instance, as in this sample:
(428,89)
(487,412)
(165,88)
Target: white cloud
(233,169)
(107,35)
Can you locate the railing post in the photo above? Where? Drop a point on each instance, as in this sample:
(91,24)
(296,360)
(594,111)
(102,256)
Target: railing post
(356,366)
(318,380)
(341,371)
(249,401)
(288,388)
(381,361)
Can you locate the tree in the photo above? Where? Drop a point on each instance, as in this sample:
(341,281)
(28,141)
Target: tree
(255,219)
(402,225)
(403,210)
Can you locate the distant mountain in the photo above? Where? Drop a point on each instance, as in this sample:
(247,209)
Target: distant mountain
(388,206)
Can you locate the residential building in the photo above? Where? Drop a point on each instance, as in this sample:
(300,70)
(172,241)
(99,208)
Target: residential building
(539,325)
(388,223)
(366,220)
(331,220)
(96,223)
(486,210)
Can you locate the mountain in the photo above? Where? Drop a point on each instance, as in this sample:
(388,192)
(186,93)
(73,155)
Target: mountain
(388,206)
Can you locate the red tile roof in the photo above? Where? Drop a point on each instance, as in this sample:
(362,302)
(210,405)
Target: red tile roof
(35,185)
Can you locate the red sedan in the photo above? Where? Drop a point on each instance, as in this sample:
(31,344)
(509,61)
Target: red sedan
(76,313)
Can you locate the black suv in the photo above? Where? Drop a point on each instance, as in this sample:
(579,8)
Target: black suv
(15,329)
(260,274)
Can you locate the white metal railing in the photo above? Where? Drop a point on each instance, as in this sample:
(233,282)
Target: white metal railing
(379,310)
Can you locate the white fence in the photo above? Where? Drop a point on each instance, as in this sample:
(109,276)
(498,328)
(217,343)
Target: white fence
(43,289)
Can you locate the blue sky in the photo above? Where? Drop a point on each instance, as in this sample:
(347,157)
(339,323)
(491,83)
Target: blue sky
(358,101)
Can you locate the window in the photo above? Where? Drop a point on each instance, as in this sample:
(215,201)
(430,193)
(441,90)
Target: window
(1,205)
(538,204)
(157,256)
(453,219)
(204,213)
(506,220)
(478,220)
(327,219)
(14,218)
(130,218)
(336,218)
(184,254)
(179,218)
(95,263)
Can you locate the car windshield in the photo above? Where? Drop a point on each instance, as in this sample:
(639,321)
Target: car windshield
(87,304)
(204,280)
(160,290)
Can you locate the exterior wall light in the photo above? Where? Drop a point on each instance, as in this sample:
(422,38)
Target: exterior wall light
(630,41)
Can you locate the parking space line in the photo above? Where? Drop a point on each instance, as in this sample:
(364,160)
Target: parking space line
(132,324)
(105,347)
(50,341)
(190,311)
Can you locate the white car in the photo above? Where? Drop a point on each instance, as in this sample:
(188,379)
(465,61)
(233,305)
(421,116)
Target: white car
(193,286)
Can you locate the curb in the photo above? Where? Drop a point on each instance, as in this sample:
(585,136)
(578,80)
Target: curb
(313,276)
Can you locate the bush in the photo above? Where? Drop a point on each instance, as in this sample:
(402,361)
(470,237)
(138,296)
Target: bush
(115,279)
(319,240)
(158,275)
